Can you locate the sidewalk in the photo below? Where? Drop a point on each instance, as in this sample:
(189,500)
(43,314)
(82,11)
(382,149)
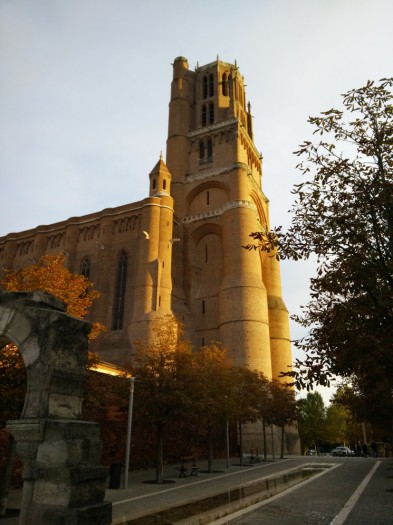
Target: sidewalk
(142,498)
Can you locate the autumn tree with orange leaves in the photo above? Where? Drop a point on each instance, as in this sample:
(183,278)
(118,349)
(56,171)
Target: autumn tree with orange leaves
(50,274)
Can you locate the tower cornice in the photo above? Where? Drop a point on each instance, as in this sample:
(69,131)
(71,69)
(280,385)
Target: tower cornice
(214,172)
(219,211)
(217,126)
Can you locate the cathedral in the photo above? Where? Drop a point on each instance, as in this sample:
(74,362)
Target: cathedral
(179,250)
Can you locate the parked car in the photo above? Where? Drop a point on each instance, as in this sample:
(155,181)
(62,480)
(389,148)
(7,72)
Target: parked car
(342,451)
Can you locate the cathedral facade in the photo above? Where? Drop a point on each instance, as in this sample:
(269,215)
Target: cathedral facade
(179,250)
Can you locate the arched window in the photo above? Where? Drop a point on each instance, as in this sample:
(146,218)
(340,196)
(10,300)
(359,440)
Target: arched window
(211,113)
(201,150)
(204,115)
(164,184)
(211,85)
(204,87)
(203,306)
(209,150)
(154,184)
(85,267)
(120,291)
(224,84)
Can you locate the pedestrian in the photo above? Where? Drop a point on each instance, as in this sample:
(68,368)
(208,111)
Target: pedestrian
(365,450)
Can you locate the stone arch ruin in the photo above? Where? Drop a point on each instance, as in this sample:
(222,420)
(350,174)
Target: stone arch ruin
(63,482)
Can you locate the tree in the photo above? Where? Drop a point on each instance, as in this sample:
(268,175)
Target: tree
(264,407)
(368,404)
(343,213)
(50,274)
(284,408)
(245,399)
(312,420)
(164,368)
(13,383)
(212,386)
(337,418)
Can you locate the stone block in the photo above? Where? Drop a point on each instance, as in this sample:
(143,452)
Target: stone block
(6,319)
(20,328)
(30,350)
(83,474)
(52,453)
(52,492)
(100,514)
(64,406)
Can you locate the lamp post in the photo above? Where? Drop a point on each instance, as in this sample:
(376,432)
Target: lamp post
(108,369)
(227,431)
(129,427)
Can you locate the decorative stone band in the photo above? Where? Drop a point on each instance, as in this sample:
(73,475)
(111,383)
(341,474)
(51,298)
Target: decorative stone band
(219,211)
(212,127)
(27,430)
(214,172)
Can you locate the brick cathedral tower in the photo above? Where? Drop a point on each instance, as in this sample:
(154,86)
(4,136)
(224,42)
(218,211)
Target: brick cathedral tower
(221,291)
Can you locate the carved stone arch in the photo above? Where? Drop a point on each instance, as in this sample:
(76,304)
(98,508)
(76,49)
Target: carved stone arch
(63,482)
(206,280)
(205,186)
(205,229)
(261,212)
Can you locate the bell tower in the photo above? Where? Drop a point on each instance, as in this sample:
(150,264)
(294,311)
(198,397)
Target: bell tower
(222,292)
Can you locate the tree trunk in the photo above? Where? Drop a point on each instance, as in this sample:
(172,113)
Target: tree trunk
(5,482)
(264,440)
(271,427)
(160,453)
(241,443)
(210,449)
(282,442)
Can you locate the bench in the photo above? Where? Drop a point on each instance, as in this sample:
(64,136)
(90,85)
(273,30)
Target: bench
(254,458)
(192,467)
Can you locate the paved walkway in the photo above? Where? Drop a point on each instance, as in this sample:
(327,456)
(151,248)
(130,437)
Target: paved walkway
(141,497)
(316,502)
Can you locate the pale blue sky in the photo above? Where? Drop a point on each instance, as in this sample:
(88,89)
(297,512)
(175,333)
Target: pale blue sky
(85,85)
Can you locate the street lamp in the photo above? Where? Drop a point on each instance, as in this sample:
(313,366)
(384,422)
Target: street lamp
(111,370)
(227,430)
(129,426)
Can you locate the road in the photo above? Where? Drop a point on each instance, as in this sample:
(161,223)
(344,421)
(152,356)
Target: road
(357,492)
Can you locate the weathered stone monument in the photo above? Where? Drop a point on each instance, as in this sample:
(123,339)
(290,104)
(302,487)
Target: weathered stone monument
(63,482)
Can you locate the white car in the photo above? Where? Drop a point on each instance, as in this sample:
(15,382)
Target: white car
(342,451)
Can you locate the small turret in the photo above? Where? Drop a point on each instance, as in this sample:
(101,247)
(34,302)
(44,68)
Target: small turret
(160,179)
(153,282)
